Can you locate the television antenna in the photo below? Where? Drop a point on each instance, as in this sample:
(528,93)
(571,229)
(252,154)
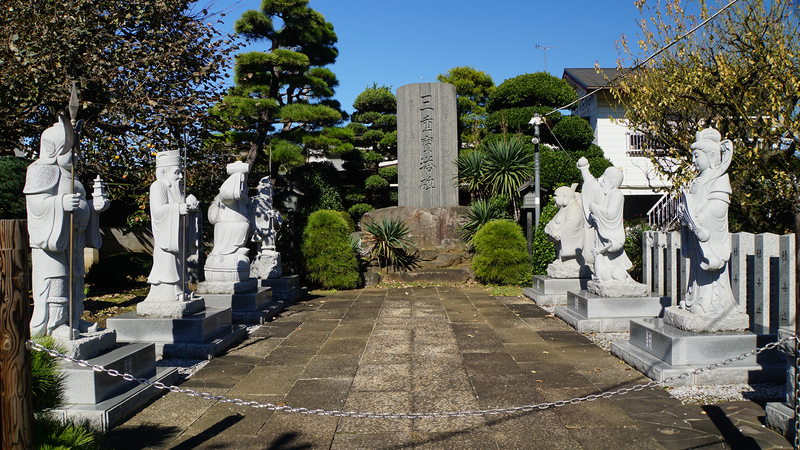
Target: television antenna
(544,47)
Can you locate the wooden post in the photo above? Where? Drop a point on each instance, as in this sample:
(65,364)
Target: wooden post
(16,401)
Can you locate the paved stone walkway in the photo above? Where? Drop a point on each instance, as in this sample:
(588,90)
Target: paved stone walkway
(424,350)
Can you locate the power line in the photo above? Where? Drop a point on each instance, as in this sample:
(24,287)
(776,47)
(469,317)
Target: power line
(637,66)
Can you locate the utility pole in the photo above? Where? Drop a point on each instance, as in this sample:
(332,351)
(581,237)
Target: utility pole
(544,47)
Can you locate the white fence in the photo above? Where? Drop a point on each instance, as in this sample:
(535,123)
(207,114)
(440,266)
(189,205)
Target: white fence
(761,268)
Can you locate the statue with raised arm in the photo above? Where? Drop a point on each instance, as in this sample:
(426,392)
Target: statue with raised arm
(51,199)
(705,240)
(174,223)
(602,205)
(566,231)
(231,213)
(268,221)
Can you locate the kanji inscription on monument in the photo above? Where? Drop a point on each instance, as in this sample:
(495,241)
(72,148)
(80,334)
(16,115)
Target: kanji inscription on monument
(427,145)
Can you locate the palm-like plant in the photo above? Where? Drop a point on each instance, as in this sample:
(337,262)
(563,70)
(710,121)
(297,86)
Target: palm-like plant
(387,241)
(507,165)
(480,212)
(471,173)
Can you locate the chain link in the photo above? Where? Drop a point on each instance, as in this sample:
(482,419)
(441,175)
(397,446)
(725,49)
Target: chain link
(371,415)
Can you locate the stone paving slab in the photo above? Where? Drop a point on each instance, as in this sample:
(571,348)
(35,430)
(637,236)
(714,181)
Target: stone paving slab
(429,349)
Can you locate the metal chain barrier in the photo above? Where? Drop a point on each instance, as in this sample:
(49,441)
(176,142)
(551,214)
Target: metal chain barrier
(481,412)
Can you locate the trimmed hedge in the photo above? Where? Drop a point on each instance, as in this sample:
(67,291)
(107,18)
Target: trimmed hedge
(329,260)
(501,254)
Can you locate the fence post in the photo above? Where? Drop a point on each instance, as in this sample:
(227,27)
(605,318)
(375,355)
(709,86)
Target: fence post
(16,404)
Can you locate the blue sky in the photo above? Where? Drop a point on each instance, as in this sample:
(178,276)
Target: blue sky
(396,43)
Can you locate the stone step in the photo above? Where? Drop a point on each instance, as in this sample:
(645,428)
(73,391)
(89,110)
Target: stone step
(121,406)
(87,386)
(251,301)
(196,327)
(547,291)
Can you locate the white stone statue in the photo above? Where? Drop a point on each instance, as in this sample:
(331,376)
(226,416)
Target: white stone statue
(705,240)
(51,201)
(174,223)
(231,213)
(268,221)
(603,204)
(568,230)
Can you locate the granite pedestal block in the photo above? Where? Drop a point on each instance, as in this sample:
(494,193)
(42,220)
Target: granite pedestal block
(780,416)
(105,400)
(286,289)
(547,291)
(201,335)
(89,345)
(661,351)
(251,307)
(587,312)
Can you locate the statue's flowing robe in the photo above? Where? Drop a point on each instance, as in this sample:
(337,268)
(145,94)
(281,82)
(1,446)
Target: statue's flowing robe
(567,228)
(231,213)
(705,207)
(46,185)
(608,227)
(168,234)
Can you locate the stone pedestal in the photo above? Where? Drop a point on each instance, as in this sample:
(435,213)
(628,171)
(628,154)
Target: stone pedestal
(286,289)
(176,309)
(547,291)
(104,400)
(202,335)
(661,351)
(780,416)
(588,312)
(686,320)
(89,345)
(252,307)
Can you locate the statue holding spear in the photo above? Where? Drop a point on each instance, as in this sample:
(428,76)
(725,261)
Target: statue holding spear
(61,223)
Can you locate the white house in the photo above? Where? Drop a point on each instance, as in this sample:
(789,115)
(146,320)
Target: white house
(625,148)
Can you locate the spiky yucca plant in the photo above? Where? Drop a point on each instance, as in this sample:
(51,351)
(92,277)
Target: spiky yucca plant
(480,212)
(387,242)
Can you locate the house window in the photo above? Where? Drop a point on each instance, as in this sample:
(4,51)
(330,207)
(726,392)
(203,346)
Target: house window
(639,145)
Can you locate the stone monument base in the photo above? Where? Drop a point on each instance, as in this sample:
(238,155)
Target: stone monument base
(227,287)
(202,335)
(616,289)
(548,291)
(106,401)
(683,319)
(253,307)
(568,270)
(174,309)
(88,345)
(780,416)
(587,312)
(286,289)
(661,351)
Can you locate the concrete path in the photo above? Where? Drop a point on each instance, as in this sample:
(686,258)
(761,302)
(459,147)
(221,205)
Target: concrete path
(429,349)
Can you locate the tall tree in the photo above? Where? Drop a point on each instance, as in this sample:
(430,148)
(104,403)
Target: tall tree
(472,90)
(738,74)
(145,70)
(285,91)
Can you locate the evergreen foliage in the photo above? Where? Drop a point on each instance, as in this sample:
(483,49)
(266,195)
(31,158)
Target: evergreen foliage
(358,210)
(574,133)
(12,174)
(480,212)
(472,91)
(544,251)
(388,243)
(328,256)
(531,89)
(501,254)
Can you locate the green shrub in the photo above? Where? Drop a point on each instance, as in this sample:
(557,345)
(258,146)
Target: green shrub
(633,247)
(48,393)
(574,133)
(389,174)
(358,210)
(501,254)
(544,251)
(351,225)
(119,269)
(387,242)
(480,212)
(376,183)
(328,257)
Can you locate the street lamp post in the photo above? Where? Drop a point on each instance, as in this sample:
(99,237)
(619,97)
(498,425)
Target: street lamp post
(535,121)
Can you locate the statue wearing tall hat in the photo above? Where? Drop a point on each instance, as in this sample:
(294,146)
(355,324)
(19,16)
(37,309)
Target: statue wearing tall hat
(174,223)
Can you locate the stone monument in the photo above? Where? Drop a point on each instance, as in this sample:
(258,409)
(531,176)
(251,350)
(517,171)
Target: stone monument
(571,270)
(268,221)
(427,145)
(174,223)
(709,303)
(612,297)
